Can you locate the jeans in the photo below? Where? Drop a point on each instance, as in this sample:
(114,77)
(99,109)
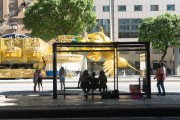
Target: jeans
(160,85)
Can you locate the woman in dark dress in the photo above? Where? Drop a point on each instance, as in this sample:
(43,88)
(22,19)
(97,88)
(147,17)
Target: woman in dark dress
(103,80)
(84,83)
(40,77)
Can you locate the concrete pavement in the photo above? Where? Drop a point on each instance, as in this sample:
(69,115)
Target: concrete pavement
(27,104)
(42,105)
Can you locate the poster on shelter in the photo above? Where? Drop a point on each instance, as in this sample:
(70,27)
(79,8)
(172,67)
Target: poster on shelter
(142,62)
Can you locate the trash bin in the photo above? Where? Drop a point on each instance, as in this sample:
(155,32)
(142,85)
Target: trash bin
(135,91)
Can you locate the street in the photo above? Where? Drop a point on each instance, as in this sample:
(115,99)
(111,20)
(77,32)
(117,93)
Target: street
(11,86)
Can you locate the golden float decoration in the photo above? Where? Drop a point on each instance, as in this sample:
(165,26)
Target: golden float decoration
(39,53)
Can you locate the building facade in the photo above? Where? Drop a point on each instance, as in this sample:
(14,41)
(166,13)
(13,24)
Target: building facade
(11,15)
(126,15)
(119,18)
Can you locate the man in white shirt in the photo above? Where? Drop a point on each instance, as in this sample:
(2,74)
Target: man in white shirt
(163,78)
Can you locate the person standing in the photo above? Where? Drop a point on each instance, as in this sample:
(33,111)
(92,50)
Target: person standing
(62,73)
(160,76)
(35,79)
(40,77)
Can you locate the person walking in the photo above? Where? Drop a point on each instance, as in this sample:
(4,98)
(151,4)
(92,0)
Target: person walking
(35,79)
(84,83)
(163,77)
(40,77)
(160,76)
(62,73)
(103,80)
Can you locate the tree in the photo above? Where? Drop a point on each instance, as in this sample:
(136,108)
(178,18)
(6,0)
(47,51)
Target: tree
(49,18)
(162,32)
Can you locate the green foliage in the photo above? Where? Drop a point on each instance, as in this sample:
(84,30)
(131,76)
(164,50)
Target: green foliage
(49,18)
(162,32)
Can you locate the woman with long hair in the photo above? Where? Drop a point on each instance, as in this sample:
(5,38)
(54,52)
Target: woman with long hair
(35,79)
(84,83)
(102,80)
(62,77)
(40,77)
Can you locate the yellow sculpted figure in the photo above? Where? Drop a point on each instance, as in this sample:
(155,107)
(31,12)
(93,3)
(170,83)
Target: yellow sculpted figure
(12,48)
(98,37)
(109,56)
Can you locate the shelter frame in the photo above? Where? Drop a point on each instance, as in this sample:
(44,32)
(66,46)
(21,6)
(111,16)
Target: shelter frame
(114,47)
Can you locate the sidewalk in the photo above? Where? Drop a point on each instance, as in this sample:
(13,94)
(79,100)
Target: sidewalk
(26,104)
(42,104)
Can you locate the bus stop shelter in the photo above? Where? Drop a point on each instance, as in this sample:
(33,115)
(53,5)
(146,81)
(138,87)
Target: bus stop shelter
(113,47)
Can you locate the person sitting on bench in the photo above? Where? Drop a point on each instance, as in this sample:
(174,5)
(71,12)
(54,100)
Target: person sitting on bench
(84,83)
(103,80)
(94,83)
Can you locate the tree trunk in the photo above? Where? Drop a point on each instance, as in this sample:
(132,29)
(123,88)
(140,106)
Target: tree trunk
(164,54)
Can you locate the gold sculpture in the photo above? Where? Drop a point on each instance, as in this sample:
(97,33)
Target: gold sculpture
(99,37)
(39,53)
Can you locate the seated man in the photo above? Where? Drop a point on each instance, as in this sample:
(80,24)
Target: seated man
(94,82)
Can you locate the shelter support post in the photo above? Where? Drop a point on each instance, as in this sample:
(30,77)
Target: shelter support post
(148,76)
(54,72)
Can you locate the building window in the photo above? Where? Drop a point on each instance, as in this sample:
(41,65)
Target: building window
(13,25)
(128,28)
(106,8)
(155,65)
(154,7)
(139,52)
(157,52)
(121,8)
(11,8)
(0,10)
(170,7)
(94,8)
(105,23)
(137,66)
(123,51)
(11,1)
(137,7)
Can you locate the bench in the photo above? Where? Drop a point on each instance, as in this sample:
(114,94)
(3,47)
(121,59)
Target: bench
(92,90)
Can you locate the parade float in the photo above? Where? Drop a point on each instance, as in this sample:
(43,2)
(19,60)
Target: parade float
(21,56)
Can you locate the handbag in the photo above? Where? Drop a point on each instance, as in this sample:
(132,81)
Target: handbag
(106,95)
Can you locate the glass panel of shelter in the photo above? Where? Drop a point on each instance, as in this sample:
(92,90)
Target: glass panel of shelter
(86,48)
(134,68)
